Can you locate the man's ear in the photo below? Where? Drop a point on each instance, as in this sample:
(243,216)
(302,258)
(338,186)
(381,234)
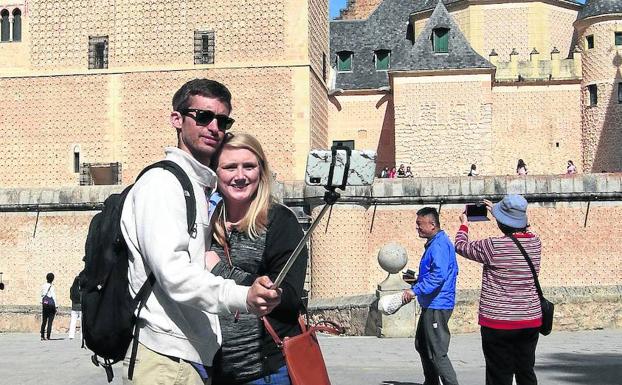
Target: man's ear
(176,120)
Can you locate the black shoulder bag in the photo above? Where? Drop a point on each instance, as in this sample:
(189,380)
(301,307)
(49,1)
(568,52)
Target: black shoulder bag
(547,307)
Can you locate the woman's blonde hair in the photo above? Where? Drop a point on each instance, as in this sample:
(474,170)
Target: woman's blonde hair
(256,219)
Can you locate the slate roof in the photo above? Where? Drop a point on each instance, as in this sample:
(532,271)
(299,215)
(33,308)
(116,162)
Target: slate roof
(600,7)
(460,56)
(386,28)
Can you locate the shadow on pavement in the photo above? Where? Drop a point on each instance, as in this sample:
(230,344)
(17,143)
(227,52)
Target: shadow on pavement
(582,368)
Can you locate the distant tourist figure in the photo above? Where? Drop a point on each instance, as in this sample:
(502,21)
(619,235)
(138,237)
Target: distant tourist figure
(521,167)
(48,304)
(408,173)
(571,168)
(76,307)
(401,172)
(473,170)
(384,173)
(392,173)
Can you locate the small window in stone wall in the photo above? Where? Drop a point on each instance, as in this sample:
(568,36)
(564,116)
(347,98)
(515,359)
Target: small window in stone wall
(589,41)
(593,93)
(98,52)
(100,174)
(204,43)
(440,40)
(619,93)
(344,61)
(5,26)
(382,58)
(618,38)
(17,25)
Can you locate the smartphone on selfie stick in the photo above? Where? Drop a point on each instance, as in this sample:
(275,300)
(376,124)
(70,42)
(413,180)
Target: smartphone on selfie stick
(333,169)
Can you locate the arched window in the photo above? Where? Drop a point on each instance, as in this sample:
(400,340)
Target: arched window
(5,28)
(17,25)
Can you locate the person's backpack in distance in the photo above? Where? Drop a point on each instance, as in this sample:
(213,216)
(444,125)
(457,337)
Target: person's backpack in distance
(108,319)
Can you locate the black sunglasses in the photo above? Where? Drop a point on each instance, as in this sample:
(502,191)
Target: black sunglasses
(205,117)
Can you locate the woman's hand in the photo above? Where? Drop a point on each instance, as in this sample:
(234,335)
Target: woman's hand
(463,219)
(488,204)
(211,259)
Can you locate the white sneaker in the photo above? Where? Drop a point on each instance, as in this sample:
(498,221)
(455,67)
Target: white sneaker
(390,304)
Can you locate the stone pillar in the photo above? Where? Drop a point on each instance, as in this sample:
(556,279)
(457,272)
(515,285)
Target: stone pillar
(555,63)
(392,258)
(11,18)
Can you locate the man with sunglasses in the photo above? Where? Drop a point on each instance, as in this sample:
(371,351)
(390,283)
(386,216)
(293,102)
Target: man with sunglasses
(179,330)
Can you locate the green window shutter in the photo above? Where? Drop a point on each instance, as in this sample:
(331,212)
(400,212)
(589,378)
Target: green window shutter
(618,38)
(344,61)
(383,60)
(441,40)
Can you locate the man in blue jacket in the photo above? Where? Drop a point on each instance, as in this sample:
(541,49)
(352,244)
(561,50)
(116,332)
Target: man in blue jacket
(435,290)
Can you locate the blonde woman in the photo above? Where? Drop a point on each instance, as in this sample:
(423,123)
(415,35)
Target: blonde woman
(260,235)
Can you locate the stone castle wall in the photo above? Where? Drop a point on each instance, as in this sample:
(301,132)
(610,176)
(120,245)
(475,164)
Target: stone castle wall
(272,59)
(443,124)
(359,9)
(368,119)
(601,122)
(578,252)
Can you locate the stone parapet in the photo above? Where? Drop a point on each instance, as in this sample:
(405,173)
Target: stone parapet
(576,308)
(581,187)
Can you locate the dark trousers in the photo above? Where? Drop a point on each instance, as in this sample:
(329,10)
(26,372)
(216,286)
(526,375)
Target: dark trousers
(47,318)
(432,343)
(510,353)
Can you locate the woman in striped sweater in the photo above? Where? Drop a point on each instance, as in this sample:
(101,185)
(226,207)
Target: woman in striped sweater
(509,308)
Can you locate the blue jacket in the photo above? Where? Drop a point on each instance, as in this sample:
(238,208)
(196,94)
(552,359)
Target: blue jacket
(436,284)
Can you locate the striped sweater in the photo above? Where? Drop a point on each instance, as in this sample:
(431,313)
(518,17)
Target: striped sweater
(509,299)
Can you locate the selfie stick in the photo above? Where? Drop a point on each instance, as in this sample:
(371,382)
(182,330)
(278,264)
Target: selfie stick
(330,197)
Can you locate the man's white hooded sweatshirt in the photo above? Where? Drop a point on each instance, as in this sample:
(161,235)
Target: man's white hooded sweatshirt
(180,318)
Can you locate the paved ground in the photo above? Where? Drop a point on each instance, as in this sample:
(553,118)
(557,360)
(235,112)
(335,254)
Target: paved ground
(577,358)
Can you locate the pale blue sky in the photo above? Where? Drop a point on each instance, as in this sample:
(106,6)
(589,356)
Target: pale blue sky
(335,6)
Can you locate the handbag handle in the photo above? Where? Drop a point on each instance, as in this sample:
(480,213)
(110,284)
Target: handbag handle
(332,329)
(533,269)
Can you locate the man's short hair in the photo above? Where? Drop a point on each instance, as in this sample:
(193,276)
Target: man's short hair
(49,277)
(202,87)
(430,211)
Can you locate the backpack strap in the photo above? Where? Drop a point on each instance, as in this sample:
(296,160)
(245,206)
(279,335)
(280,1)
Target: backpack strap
(191,212)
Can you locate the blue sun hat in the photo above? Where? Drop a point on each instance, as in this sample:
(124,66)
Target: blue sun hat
(511,211)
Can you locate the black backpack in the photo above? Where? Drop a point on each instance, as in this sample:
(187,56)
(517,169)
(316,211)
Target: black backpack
(108,309)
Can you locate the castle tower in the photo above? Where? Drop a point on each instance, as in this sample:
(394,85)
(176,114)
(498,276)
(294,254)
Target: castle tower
(599,36)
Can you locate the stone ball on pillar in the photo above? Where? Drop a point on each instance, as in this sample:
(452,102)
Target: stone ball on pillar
(392,257)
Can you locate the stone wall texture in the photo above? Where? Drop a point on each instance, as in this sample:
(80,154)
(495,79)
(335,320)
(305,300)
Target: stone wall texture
(359,9)
(369,120)
(272,60)
(443,124)
(528,124)
(578,251)
(602,138)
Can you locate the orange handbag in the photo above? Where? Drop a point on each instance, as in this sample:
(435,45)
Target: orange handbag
(303,356)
